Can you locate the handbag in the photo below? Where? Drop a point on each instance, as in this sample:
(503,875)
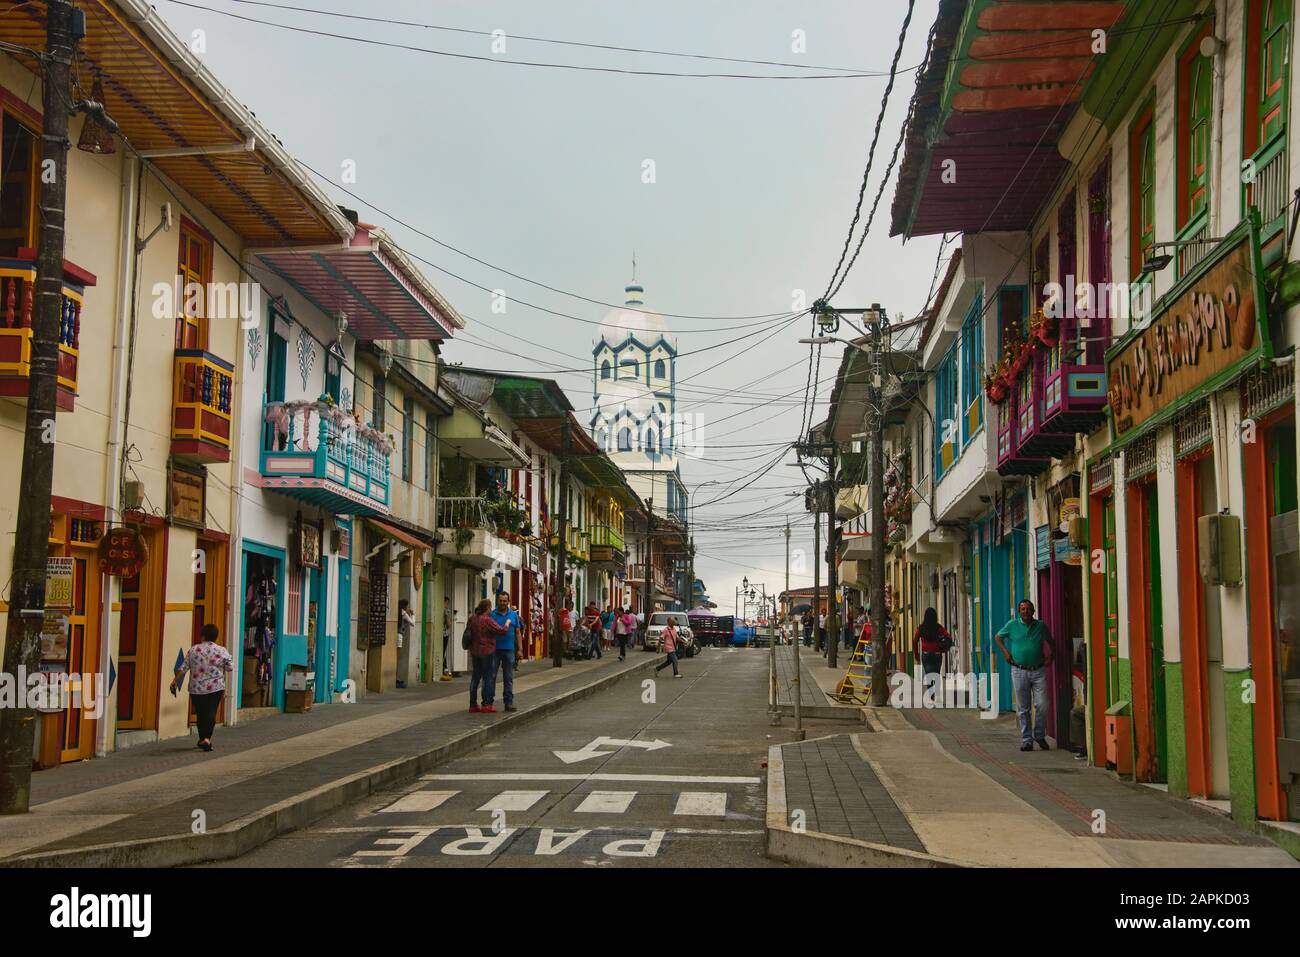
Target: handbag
(466,637)
(945,643)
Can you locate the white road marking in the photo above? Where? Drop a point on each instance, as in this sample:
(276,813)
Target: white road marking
(653,778)
(592,748)
(419,801)
(613,828)
(702,803)
(513,801)
(606,802)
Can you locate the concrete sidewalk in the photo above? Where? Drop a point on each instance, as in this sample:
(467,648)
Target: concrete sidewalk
(167,803)
(945,788)
(816,685)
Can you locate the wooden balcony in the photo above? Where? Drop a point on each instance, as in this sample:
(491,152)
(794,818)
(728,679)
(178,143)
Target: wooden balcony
(317,454)
(1035,440)
(202,392)
(17,295)
(1017,418)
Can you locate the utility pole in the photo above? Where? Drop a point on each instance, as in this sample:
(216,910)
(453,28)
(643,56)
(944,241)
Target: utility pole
(557,635)
(832,584)
(829,320)
(876,432)
(817,566)
(64,28)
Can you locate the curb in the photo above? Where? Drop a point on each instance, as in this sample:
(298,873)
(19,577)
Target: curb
(815,849)
(247,833)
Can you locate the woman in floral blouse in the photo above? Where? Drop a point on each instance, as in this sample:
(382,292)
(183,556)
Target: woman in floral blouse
(207,663)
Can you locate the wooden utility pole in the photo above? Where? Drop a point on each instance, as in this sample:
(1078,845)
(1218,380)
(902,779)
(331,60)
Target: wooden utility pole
(879,529)
(832,574)
(64,27)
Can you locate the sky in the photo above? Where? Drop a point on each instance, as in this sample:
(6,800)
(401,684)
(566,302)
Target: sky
(734,195)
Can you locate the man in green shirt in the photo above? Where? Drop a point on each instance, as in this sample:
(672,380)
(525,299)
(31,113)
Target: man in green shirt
(1029,655)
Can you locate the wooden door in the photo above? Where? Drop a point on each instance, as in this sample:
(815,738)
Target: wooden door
(76,726)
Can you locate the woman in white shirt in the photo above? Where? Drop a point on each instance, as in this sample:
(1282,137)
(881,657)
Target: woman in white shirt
(207,663)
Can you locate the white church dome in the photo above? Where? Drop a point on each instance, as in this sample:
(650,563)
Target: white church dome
(633,320)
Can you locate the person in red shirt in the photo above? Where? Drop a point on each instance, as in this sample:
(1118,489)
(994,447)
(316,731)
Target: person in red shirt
(930,643)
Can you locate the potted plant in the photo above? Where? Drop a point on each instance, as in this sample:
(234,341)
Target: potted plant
(464,535)
(995,388)
(1044,328)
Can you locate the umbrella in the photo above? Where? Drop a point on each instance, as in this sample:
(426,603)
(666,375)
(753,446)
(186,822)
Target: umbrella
(800,609)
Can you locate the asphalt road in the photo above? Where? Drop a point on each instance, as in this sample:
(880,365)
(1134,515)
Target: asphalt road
(689,793)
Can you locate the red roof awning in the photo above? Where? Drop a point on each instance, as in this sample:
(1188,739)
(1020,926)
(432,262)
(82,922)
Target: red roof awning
(373,282)
(401,535)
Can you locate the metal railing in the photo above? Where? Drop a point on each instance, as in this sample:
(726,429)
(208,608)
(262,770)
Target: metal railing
(316,432)
(463,512)
(1195,247)
(1267,192)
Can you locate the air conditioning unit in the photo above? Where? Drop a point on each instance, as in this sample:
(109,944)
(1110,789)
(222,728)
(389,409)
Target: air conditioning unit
(134,497)
(1219,540)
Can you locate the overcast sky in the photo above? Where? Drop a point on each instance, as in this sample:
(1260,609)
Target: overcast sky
(540,171)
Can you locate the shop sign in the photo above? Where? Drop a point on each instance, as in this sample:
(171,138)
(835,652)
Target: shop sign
(363,605)
(1208,332)
(186,497)
(54,636)
(122,552)
(308,545)
(58,583)
(377,613)
(342,545)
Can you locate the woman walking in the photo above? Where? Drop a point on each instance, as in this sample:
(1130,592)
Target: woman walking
(624,628)
(207,663)
(930,643)
(669,638)
(591,621)
(483,630)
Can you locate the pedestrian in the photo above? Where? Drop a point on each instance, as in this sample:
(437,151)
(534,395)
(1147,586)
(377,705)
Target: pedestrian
(483,632)
(566,626)
(864,629)
(405,622)
(821,632)
(807,630)
(929,644)
(668,641)
(624,628)
(508,618)
(1029,654)
(207,662)
(591,621)
(448,626)
(607,626)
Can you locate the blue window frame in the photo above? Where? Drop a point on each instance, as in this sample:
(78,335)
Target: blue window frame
(946,413)
(972,361)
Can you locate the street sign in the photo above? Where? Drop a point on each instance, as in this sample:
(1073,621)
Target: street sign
(592,748)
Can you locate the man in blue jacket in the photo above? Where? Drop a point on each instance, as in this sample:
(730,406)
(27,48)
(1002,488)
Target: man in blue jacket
(503,614)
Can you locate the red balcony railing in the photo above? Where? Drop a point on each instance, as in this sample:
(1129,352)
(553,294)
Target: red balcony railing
(17,295)
(202,392)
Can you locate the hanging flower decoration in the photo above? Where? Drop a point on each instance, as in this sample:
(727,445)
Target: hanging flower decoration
(1044,329)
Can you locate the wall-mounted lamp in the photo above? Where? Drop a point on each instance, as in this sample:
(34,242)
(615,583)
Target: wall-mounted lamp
(1211,45)
(385,361)
(97,132)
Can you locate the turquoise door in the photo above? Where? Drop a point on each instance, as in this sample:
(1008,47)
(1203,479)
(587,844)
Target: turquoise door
(325,643)
(344,616)
(1000,609)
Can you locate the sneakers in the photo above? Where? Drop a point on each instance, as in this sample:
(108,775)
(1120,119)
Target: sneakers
(676,676)
(205,745)
(487,709)
(1027,747)
(1043,745)
(474,709)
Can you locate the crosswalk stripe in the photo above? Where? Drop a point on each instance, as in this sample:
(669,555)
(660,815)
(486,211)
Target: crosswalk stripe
(420,801)
(606,802)
(702,803)
(514,801)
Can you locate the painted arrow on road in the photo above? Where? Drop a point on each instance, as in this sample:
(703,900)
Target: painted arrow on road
(592,749)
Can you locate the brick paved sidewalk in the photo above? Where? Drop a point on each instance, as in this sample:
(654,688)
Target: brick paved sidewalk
(840,794)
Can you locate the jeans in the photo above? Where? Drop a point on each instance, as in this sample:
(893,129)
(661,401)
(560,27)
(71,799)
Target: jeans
(595,642)
(446,653)
(931,662)
(506,659)
(1027,683)
(483,675)
(205,712)
(670,660)
(622,645)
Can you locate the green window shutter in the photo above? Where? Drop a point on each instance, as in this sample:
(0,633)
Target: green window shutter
(1200,99)
(1147,181)
(1275,32)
